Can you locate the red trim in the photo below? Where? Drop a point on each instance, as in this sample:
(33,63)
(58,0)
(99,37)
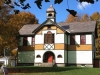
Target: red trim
(33,41)
(83,39)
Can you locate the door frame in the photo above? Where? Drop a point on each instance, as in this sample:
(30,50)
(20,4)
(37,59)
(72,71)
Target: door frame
(45,56)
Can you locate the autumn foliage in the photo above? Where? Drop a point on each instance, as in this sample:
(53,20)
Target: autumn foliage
(10,25)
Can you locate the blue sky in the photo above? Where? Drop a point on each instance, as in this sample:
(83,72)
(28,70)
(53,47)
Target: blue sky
(62,14)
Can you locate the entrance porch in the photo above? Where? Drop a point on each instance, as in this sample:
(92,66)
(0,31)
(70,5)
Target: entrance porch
(48,57)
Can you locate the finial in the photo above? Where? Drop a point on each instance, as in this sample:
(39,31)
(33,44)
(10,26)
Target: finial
(51,6)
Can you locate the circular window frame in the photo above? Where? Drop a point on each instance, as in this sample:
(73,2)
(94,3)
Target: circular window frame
(59,56)
(38,56)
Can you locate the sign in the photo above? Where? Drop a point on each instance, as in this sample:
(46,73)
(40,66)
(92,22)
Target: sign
(5,70)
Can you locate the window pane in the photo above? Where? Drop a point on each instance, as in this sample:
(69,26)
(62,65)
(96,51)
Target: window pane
(52,38)
(83,39)
(45,38)
(48,38)
(33,41)
(25,41)
(72,39)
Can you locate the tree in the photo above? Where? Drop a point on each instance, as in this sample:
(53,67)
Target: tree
(4,17)
(9,29)
(14,52)
(71,18)
(78,18)
(14,24)
(85,18)
(95,16)
(21,19)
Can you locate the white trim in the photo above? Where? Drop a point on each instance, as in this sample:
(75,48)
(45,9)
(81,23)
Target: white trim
(77,39)
(88,39)
(77,57)
(29,39)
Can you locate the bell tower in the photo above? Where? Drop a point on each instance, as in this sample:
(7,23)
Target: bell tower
(51,13)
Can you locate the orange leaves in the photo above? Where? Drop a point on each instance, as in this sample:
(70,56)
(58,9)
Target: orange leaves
(9,29)
(79,18)
(14,52)
(71,18)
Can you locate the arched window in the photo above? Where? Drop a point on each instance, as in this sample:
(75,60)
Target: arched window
(59,56)
(38,56)
(50,15)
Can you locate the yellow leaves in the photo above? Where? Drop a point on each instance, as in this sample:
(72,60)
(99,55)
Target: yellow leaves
(95,16)
(14,52)
(98,48)
(79,18)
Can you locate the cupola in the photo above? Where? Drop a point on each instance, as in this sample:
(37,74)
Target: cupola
(51,13)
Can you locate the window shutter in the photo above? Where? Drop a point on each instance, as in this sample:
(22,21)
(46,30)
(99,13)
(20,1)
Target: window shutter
(83,39)
(72,39)
(33,41)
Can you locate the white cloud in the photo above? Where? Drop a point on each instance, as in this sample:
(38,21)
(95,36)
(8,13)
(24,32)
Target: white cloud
(83,5)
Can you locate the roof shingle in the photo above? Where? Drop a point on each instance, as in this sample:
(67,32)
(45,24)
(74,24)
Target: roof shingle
(28,29)
(74,27)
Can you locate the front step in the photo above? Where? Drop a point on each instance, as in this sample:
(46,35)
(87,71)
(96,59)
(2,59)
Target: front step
(47,65)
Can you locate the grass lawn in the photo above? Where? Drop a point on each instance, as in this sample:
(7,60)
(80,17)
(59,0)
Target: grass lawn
(60,71)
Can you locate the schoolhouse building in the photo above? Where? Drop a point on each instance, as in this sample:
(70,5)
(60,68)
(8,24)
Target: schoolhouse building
(60,44)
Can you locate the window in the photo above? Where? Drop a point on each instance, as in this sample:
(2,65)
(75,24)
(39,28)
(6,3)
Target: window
(49,27)
(50,15)
(24,41)
(83,39)
(59,56)
(33,41)
(49,38)
(38,56)
(72,39)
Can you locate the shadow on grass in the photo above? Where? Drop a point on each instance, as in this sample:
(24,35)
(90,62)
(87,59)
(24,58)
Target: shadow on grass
(41,69)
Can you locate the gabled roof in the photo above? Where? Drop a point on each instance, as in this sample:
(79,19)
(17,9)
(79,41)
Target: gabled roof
(28,29)
(74,27)
(46,23)
(79,27)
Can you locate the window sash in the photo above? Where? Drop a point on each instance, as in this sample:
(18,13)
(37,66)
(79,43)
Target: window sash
(48,38)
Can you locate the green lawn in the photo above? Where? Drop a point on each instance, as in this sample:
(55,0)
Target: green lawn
(60,71)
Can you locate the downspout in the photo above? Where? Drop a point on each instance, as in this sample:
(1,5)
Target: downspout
(93,48)
(67,49)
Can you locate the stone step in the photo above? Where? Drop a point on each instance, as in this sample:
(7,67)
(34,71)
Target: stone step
(47,65)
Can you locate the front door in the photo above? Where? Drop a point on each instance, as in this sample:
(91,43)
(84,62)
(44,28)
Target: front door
(50,57)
